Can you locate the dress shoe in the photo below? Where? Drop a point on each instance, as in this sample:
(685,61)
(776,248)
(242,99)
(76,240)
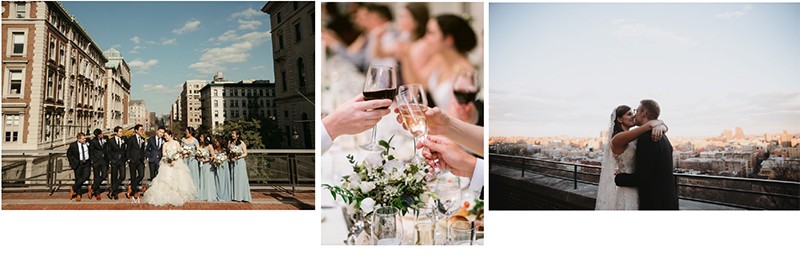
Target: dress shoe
(98,196)
(128,194)
(71,193)
(78,198)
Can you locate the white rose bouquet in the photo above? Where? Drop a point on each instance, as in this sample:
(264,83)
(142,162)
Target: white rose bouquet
(219,158)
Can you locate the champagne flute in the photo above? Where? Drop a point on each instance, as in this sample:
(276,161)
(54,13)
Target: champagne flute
(381,83)
(387,226)
(466,86)
(412,103)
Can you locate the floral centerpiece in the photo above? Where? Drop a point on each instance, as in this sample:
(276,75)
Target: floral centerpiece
(172,156)
(381,180)
(219,158)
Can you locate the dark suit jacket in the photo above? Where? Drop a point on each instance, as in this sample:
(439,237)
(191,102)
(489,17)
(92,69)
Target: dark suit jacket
(74,156)
(98,152)
(116,153)
(653,174)
(135,150)
(153,152)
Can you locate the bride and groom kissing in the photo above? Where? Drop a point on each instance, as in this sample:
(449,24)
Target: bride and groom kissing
(637,162)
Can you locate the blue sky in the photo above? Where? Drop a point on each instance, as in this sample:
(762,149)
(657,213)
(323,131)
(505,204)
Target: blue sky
(711,67)
(167,43)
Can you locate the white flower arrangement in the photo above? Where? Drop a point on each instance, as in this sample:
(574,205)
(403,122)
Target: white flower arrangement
(219,158)
(201,153)
(172,156)
(236,151)
(187,150)
(381,180)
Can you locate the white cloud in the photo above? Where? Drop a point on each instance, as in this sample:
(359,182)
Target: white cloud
(116,46)
(641,31)
(142,66)
(619,21)
(170,41)
(736,14)
(260,67)
(249,24)
(135,39)
(161,88)
(247,14)
(214,59)
(227,36)
(151,42)
(190,25)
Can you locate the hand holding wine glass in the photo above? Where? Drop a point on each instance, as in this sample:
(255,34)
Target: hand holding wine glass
(381,83)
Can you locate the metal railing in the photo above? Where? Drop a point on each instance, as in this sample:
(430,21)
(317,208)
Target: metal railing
(49,169)
(748,193)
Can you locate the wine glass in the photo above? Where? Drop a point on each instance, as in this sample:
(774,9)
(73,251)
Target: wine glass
(412,103)
(381,83)
(387,226)
(425,227)
(460,233)
(448,192)
(466,86)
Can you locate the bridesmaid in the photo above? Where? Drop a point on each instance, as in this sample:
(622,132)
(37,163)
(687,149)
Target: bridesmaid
(222,171)
(241,184)
(208,188)
(191,161)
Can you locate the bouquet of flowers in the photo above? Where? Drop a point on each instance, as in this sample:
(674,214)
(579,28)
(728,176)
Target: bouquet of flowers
(172,156)
(381,180)
(236,151)
(187,150)
(201,153)
(219,158)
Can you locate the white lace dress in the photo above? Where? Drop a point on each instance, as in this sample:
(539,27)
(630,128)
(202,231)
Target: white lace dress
(173,185)
(609,195)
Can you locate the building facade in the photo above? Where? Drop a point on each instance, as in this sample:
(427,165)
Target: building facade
(221,100)
(292,27)
(118,93)
(138,113)
(190,103)
(53,77)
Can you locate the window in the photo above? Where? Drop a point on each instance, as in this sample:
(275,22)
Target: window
(280,42)
(215,92)
(283,80)
(52,50)
(12,128)
(301,73)
(297,32)
(19,42)
(279,17)
(244,103)
(50,76)
(15,77)
(216,103)
(22,10)
(216,113)
(61,58)
(60,88)
(294,5)
(286,114)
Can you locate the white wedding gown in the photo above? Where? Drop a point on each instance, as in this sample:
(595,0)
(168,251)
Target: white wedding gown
(173,185)
(609,195)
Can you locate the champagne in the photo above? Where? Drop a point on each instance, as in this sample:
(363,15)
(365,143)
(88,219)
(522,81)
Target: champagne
(381,94)
(413,116)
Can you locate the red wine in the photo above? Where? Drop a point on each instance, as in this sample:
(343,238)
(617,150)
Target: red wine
(381,94)
(465,97)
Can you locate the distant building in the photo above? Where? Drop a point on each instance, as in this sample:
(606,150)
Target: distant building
(222,100)
(190,103)
(152,120)
(292,29)
(118,92)
(138,113)
(53,76)
(739,133)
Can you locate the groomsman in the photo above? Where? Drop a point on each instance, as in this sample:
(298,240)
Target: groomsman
(79,161)
(97,149)
(136,158)
(154,152)
(116,153)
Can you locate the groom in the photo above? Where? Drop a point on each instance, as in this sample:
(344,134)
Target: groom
(653,171)
(154,152)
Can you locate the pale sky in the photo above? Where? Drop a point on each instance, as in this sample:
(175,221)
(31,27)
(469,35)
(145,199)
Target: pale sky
(560,69)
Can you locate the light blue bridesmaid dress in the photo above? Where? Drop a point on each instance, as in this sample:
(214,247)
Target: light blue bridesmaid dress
(208,188)
(222,179)
(194,165)
(241,183)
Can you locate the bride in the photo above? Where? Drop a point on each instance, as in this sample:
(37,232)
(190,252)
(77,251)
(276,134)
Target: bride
(173,185)
(619,155)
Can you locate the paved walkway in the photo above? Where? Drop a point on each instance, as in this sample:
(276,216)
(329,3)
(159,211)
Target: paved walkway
(262,200)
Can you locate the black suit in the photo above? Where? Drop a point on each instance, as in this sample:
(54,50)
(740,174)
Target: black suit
(116,153)
(153,155)
(653,174)
(136,157)
(80,162)
(97,148)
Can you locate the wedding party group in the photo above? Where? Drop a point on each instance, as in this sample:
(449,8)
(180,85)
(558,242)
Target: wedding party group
(416,64)
(185,170)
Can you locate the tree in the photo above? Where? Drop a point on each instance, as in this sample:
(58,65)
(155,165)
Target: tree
(250,131)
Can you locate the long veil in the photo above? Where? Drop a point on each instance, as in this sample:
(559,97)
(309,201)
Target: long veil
(606,189)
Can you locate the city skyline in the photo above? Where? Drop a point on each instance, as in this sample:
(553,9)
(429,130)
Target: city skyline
(719,66)
(167,43)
